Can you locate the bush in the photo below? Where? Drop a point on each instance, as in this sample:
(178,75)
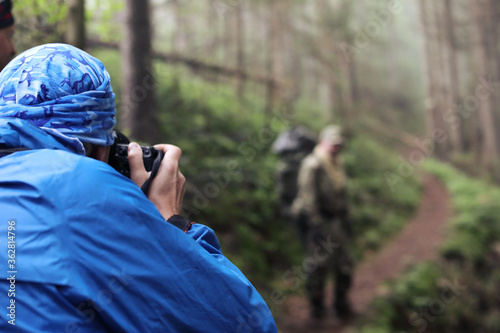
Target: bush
(379,212)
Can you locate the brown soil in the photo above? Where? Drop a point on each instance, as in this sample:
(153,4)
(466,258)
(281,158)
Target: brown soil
(418,241)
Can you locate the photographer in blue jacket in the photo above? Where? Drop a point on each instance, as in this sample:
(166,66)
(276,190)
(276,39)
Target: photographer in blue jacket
(82,248)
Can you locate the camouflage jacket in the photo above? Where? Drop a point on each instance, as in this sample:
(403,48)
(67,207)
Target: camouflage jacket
(322,194)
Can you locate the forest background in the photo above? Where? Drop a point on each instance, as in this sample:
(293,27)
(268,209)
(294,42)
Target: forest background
(222,78)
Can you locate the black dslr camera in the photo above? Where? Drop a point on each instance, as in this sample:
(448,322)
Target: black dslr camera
(118,158)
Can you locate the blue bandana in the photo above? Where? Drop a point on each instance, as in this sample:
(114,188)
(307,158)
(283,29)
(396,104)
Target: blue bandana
(63,91)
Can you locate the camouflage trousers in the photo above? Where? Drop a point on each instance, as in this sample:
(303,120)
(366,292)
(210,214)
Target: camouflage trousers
(326,248)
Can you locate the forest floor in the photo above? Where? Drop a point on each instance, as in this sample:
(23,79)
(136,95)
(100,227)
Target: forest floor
(418,241)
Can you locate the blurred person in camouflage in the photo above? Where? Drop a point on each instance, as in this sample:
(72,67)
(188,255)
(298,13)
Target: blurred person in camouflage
(323,204)
(7,49)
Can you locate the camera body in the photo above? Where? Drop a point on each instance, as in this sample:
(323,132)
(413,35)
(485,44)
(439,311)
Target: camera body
(118,155)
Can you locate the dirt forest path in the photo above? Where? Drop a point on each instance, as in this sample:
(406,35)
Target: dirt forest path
(418,241)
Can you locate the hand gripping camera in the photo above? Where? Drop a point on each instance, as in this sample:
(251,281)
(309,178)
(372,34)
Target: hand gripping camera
(118,158)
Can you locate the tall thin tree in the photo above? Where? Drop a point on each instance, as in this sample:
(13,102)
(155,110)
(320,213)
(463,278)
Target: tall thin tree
(453,79)
(489,151)
(75,28)
(138,101)
(240,50)
(272,61)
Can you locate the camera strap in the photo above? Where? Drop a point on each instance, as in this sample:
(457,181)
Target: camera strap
(154,171)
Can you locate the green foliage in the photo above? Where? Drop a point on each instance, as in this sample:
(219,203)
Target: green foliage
(459,293)
(378,211)
(42,21)
(476,216)
(101,16)
(408,294)
(52,11)
(467,162)
(38,22)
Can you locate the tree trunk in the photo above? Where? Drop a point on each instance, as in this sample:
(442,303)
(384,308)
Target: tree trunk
(346,77)
(227,39)
(489,151)
(454,79)
(440,77)
(295,69)
(179,39)
(346,90)
(75,33)
(495,31)
(139,108)
(430,104)
(330,65)
(494,51)
(272,94)
(240,52)
(213,28)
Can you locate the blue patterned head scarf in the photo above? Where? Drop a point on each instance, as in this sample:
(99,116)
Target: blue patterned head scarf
(62,90)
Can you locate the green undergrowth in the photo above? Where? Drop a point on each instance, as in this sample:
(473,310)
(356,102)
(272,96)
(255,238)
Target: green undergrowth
(459,292)
(378,210)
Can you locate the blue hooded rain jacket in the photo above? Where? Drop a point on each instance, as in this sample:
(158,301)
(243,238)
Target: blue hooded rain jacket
(81,247)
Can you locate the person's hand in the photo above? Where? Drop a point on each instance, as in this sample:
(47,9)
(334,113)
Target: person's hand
(167,188)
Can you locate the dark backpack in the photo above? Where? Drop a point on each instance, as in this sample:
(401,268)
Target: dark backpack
(292,146)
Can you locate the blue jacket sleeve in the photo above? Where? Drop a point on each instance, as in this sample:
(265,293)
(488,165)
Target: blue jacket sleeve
(144,274)
(206,238)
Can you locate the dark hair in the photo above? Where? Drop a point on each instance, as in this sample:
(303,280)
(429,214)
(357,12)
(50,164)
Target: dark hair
(6,18)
